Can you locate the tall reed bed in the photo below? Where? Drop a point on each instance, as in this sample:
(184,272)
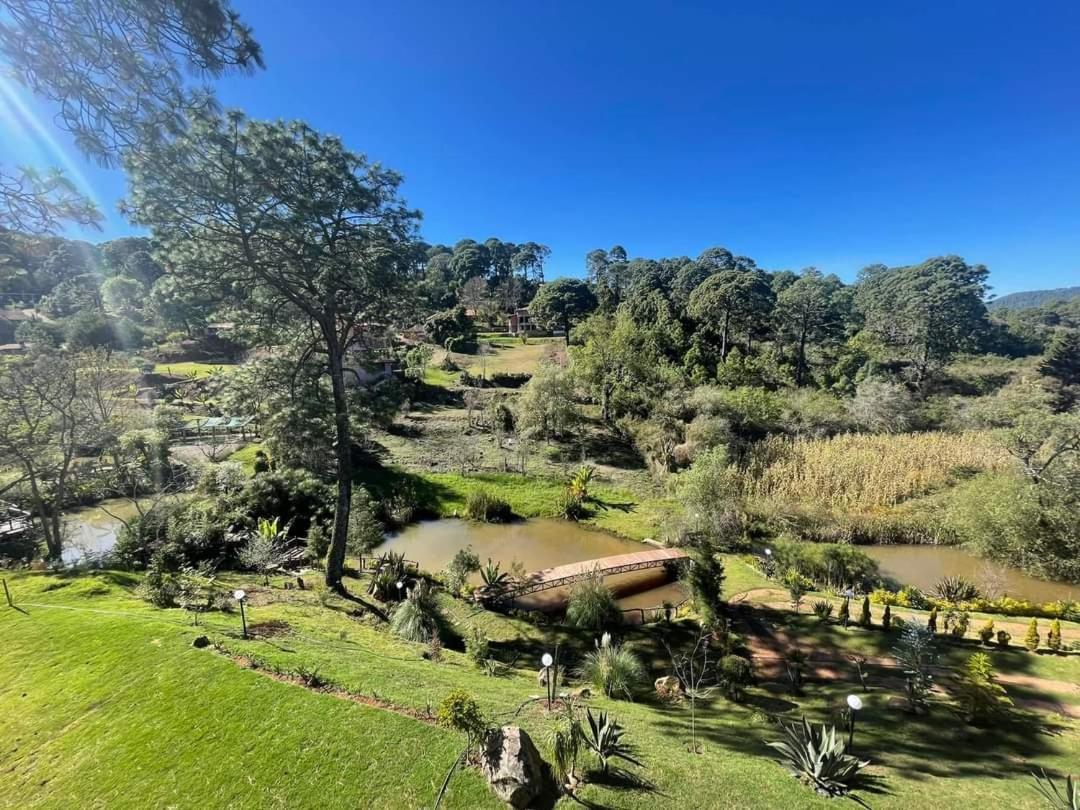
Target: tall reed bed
(856,471)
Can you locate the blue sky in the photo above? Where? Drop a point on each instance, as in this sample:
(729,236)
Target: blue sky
(832,134)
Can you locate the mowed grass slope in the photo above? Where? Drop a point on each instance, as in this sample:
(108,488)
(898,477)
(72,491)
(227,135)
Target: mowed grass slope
(114,711)
(121,712)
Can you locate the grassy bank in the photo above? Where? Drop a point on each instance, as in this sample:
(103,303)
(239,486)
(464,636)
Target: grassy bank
(117,709)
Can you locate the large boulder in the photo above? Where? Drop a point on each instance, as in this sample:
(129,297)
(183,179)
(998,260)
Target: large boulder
(513,766)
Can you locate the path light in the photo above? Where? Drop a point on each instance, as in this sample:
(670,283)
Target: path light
(854,703)
(552,672)
(240,596)
(768,563)
(400,585)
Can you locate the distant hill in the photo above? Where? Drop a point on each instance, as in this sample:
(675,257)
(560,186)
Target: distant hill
(1034,298)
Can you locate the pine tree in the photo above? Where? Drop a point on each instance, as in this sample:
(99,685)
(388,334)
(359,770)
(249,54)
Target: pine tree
(886,619)
(1053,639)
(931,623)
(1031,640)
(864,615)
(1062,360)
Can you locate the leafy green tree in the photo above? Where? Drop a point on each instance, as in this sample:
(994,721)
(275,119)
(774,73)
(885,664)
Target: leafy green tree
(809,312)
(1062,365)
(731,303)
(926,312)
(115,69)
(546,405)
(301,231)
(122,295)
(562,304)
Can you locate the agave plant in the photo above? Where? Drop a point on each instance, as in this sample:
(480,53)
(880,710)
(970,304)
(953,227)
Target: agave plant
(493,577)
(1066,797)
(605,739)
(818,756)
(955,589)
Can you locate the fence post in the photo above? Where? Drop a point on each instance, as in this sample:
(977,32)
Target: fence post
(7,593)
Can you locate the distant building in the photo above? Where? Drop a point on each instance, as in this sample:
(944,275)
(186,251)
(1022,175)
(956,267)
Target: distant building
(519,322)
(10,320)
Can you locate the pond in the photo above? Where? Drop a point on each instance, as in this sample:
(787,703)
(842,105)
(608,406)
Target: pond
(924,566)
(536,544)
(93,530)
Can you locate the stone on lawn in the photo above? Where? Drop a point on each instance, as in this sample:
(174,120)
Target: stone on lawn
(513,766)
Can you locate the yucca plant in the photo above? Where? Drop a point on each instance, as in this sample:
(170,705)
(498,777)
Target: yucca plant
(818,756)
(566,739)
(955,589)
(389,571)
(612,668)
(605,739)
(1065,797)
(579,483)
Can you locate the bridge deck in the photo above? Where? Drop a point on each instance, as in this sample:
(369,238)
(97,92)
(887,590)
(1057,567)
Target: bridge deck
(572,572)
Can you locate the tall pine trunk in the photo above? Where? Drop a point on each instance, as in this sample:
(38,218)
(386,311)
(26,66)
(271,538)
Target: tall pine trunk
(335,559)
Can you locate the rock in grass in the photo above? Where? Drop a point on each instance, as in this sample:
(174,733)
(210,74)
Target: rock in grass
(513,766)
(200,642)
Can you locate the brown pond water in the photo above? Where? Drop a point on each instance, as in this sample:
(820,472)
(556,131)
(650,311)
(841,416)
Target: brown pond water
(537,544)
(924,566)
(92,530)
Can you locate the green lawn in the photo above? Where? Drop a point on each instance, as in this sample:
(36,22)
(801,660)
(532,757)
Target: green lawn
(192,369)
(120,711)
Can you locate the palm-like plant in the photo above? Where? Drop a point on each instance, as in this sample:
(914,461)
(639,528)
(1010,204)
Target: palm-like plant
(1066,797)
(579,483)
(605,739)
(265,548)
(818,756)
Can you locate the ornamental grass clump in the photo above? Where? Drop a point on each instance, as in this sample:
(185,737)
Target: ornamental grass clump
(592,604)
(612,669)
(417,618)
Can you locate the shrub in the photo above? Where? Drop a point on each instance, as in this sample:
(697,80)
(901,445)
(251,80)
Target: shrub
(705,577)
(477,646)
(915,654)
(886,619)
(957,623)
(844,614)
(417,617)
(569,507)
(817,756)
(592,604)
(978,693)
(797,586)
(955,590)
(734,673)
(834,565)
(265,549)
(482,505)
(365,529)
(823,609)
(1003,638)
(931,621)
(865,619)
(296,497)
(986,632)
(159,586)
(1031,640)
(390,569)
(1053,638)
(460,711)
(612,668)
(464,563)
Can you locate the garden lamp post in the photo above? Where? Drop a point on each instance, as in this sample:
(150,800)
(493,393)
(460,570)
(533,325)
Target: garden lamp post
(399,585)
(241,596)
(854,703)
(547,661)
(768,563)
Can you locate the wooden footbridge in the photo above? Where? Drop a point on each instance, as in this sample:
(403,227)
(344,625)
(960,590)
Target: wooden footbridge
(561,575)
(14,522)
